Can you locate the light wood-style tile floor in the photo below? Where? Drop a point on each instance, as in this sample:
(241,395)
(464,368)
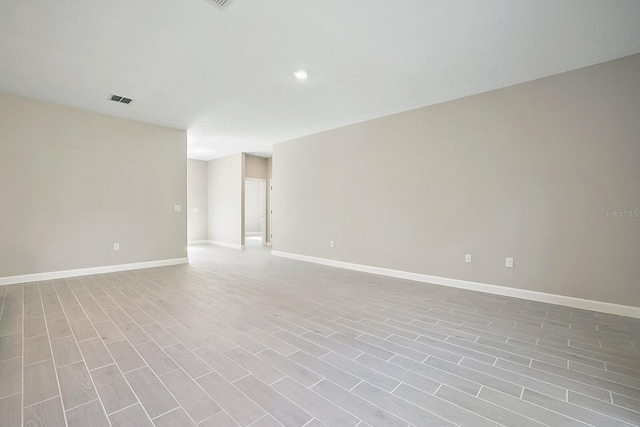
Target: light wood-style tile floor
(241,338)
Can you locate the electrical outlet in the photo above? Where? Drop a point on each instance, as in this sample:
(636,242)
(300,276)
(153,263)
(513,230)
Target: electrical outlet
(332,244)
(177,208)
(468,258)
(116,246)
(509,263)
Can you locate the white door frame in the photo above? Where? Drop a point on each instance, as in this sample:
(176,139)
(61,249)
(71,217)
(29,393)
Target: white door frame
(270,212)
(263,207)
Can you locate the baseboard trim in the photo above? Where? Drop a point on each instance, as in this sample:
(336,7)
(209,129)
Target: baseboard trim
(268,244)
(198,242)
(215,242)
(585,304)
(253,233)
(226,244)
(10,280)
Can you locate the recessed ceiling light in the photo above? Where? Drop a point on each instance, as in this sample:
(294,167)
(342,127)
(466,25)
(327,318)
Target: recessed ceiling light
(301,74)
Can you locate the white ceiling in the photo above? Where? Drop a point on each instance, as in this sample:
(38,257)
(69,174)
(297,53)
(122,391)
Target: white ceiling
(226,76)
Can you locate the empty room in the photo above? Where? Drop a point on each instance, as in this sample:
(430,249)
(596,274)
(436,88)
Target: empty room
(303,213)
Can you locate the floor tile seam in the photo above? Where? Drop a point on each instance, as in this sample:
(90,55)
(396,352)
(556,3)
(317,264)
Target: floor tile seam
(130,388)
(337,404)
(377,329)
(215,415)
(46,325)
(180,368)
(356,385)
(361,351)
(4,300)
(369,320)
(123,409)
(412,349)
(311,390)
(10,395)
(268,347)
(43,400)
(450,328)
(248,397)
(362,365)
(488,354)
(112,362)
(36,362)
(511,410)
(578,335)
(606,379)
(621,407)
(81,355)
(154,373)
(203,375)
(104,409)
(527,376)
(310,421)
(590,376)
(293,333)
(179,323)
(407,402)
(605,354)
(435,396)
(82,404)
(571,405)
(175,409)
(477,396)
(15,357)
(562,377)
(262,417)
(409,372)
(563,351)
(441,370)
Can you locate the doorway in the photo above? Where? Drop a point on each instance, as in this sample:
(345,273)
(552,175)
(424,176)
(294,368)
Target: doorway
(255,212)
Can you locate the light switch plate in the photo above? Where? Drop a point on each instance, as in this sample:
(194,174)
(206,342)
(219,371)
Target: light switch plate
(177,208)
(509,263)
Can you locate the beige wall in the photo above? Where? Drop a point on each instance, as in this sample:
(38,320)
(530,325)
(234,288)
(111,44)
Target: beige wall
(527,172)
(255,167)
(226,199)
(197,205)
(73,183)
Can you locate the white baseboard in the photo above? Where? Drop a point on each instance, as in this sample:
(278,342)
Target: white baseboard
(215,242)
(253,233)
(89,271)
(226,244)
(268,244)
(604,307)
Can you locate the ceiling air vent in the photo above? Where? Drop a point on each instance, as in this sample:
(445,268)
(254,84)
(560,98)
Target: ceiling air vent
(121,99)
(220,4)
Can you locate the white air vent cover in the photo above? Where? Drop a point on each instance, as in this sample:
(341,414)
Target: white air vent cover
(220,4)
(122,99)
